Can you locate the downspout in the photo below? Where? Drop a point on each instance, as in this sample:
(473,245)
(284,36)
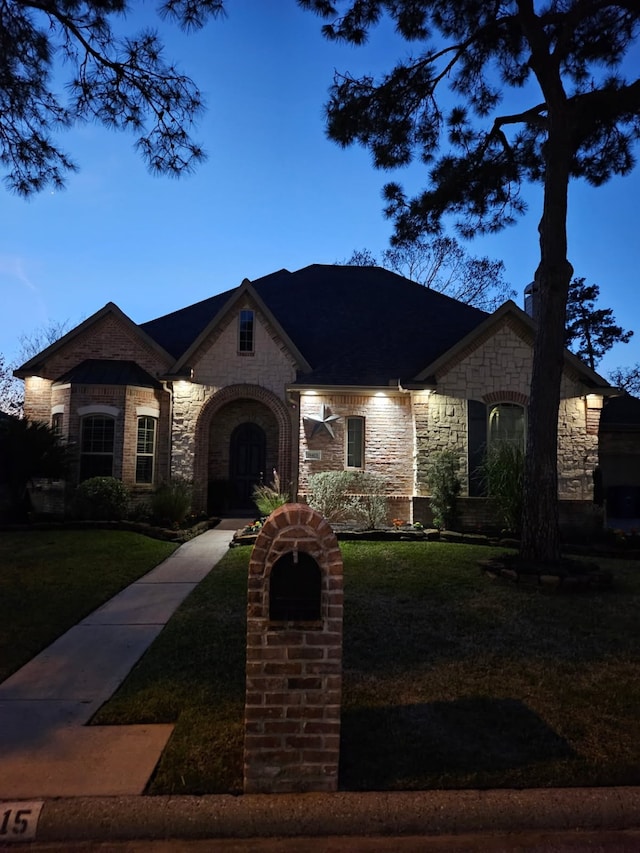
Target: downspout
(168,387)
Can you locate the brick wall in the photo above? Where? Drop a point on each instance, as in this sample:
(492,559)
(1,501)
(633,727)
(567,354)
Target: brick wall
(196,412)
(229,387)
(294,669)
(227,419)
(108,337)
(218,363)
(388,440)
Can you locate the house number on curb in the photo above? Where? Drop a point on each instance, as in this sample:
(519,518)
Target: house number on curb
(19,821)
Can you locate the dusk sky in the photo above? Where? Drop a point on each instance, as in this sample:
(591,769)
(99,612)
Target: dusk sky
(274,193)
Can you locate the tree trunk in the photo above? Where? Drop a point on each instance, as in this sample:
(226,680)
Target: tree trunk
(540,540)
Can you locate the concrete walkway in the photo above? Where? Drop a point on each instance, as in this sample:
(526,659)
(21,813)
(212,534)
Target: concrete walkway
(46,748)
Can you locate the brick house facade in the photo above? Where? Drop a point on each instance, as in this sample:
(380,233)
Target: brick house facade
(322,369)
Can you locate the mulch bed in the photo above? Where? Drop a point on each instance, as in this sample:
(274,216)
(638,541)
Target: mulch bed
(568,576)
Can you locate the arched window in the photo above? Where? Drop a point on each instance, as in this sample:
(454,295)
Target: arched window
(96,446)
(506,424)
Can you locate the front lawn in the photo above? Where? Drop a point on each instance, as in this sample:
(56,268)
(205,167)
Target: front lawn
(50,580)
(450,680)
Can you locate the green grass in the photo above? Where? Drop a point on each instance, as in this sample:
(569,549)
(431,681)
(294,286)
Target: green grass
(50,580)
(450,680)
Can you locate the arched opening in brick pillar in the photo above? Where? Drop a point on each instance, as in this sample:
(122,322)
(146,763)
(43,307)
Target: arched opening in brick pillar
(237,404)
(295,589)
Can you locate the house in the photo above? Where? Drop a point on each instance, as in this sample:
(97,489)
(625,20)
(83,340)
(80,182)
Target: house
(325,368)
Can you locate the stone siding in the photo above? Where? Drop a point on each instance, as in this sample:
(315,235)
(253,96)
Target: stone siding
(498,369)
(577,451)
(445,429)
(218,365)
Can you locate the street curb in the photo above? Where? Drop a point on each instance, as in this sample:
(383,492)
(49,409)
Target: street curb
(341,814)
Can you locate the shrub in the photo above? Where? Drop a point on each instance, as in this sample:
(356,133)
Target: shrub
(171,502)
(331,493)
(268,498)
(28,450)
(328,492)
(369,505)
(101,499)
(444,484)
(502,470)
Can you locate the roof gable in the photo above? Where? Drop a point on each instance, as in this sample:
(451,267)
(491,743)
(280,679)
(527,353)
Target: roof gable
(238,297)
(346,325)
(523,325)
(35,364)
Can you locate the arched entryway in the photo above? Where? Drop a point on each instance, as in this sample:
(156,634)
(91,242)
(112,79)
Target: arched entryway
(242,431)
(247,461)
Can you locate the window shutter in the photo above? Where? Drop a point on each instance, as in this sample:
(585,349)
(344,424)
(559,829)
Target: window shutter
(476,445)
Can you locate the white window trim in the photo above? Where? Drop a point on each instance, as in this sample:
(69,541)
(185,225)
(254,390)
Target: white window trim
(154,417)
(86,412)
(147,411)
(58,410)
(111,411)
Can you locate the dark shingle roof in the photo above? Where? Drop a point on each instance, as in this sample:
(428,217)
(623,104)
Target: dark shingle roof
(95,371)
(354,325)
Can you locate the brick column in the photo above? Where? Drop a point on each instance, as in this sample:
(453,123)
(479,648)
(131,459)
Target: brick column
(294,656)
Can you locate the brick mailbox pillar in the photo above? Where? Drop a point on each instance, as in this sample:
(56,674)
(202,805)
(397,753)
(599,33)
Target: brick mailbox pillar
(294,655)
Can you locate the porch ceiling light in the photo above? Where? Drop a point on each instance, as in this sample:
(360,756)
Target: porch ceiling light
(323,419)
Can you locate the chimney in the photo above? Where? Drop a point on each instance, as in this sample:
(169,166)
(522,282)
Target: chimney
(531,300)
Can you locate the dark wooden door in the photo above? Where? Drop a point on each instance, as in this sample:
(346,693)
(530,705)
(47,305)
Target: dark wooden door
(247,462)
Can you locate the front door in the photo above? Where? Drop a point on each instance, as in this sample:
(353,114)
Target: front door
(247,462)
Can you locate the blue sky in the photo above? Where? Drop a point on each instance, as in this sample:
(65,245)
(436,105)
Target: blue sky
(274,193)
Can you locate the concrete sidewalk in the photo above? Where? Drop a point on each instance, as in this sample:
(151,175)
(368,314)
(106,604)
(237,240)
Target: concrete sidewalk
(46,749)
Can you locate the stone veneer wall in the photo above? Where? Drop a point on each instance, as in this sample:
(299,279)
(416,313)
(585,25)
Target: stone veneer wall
(497,370)
(294,669)
(218,366)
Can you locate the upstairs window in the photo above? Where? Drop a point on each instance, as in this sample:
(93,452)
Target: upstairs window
(355,442)
(145,449)
(245,331)
(96,446)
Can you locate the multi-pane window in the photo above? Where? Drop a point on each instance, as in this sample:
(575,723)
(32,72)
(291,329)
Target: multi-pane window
(506,424)
(355,442)
(245,331)
(490,426)
(96,446)
(145,449)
